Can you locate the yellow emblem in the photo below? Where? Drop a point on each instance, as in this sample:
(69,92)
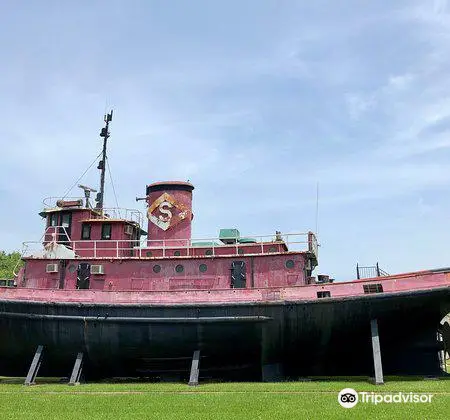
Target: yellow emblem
(165,212)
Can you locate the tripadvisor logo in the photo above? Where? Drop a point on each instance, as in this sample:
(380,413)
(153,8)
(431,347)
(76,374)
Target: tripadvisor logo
(348,397)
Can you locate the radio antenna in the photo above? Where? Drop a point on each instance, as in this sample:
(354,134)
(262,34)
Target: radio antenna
(102,164)
(317,209)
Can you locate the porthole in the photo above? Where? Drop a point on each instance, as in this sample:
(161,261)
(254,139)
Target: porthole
(72,268)
(289,264)
(148,253)
(203,268)
(176,253)
(208,252)
(179,268)
(156,268)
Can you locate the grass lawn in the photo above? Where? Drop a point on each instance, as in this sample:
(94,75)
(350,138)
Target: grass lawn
(289,400)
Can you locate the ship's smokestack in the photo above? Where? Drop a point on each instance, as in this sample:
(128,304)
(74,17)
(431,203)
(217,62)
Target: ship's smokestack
(169,213)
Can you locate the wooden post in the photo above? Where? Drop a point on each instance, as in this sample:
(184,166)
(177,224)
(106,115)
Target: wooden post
(376,350)
(76,371)
(195,369)
(34,367)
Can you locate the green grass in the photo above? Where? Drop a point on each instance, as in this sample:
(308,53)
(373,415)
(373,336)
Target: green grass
(289,400)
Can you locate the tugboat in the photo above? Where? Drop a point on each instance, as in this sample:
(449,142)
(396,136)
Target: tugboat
(98,293)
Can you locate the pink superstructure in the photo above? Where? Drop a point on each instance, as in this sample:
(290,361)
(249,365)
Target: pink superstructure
(169,259)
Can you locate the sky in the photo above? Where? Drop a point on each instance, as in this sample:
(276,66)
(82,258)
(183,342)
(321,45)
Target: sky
(256,102)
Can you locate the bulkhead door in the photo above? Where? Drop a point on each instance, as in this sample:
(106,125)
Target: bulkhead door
(83,275)
(238,275)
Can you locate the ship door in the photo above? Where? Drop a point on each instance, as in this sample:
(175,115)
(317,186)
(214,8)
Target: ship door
(83,275)
(238,275)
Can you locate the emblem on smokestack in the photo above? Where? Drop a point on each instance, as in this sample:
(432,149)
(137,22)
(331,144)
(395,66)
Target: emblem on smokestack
(166,212)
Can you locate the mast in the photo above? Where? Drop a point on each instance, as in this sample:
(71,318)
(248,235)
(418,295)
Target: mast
(102,164)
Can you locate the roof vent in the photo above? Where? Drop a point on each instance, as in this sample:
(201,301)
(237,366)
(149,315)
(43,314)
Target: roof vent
(229,236)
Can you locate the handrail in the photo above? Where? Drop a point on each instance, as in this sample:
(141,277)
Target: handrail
(133,215)
(366,272)
(265,244)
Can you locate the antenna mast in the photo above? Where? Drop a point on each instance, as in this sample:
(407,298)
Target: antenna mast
(317,209)
(102,164)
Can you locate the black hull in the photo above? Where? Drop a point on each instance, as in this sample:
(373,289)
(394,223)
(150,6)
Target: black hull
(309,338)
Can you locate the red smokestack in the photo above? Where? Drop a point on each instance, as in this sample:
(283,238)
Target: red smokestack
(169,213)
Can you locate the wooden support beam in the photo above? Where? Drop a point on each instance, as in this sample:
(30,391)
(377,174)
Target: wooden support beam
(34,367)
(195,369)
(376,351)
(76,371)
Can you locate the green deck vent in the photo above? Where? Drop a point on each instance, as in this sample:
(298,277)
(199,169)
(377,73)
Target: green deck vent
(229,236)
(247,241)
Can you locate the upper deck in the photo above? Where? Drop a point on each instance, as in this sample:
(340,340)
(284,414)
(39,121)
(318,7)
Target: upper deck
(56,244)
(107,249)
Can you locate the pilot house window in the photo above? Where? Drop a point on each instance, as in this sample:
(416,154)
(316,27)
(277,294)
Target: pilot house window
(106,231)
(86,231)
(53,219)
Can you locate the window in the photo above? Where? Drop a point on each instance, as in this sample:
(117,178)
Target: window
(65,229)
(65,220)
(176,253)
(53,219)
(323,294)
(106,231)
(373,288)
(156,268)
(203,268)
(179,268)
(208,252)
(86,231)
(289,264)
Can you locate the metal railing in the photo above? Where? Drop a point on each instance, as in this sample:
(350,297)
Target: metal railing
(369,272)
(206,247)
(133,215)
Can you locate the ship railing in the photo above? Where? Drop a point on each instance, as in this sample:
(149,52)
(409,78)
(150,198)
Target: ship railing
(207,247)
(133,215)
(369,272)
